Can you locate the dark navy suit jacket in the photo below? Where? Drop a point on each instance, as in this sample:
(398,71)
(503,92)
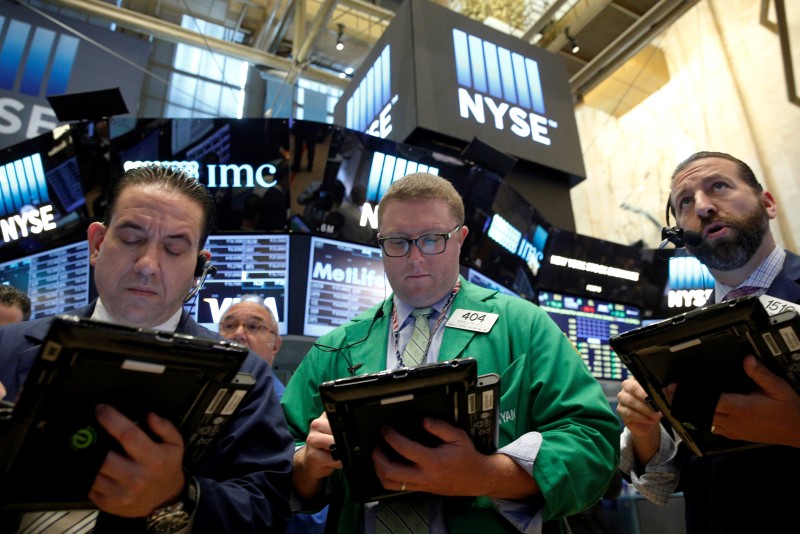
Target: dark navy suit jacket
(757,490)
(244,478)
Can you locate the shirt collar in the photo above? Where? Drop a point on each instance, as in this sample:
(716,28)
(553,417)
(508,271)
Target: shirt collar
(170,325)
(762,277)
(404,310)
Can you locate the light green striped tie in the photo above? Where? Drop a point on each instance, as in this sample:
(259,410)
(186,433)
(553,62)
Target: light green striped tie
(414,354)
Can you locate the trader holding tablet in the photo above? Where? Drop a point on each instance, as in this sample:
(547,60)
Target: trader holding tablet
(719,199)
(146,257)
(558,435)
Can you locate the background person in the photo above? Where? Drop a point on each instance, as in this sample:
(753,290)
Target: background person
(144,256)
(15,305)
(558,434)
(251,323)
(719,197)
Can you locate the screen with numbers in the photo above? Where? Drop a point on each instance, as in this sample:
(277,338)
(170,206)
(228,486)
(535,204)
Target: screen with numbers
(344,279)
(589,324)
(57,280)
(247,264)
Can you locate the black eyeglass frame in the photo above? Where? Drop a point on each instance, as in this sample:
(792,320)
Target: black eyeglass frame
(409,241)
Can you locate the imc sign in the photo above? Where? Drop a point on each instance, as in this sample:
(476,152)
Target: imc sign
(437,74)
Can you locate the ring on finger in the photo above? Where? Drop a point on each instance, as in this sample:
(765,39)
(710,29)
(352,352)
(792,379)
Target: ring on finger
(402,487)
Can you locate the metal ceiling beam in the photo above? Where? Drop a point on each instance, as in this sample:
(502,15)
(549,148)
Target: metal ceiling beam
(545,20)
(174,33)
(628,44)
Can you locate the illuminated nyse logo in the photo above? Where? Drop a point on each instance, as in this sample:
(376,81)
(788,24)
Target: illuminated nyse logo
(39,58)
(369,109)
(500,86)
(225,175)
(688,280)
(386,170)
(24,196)
(508,237)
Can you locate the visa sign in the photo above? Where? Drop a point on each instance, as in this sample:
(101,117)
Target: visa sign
(500,87)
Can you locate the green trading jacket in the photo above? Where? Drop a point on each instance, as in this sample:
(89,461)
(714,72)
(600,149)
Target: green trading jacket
(546,387)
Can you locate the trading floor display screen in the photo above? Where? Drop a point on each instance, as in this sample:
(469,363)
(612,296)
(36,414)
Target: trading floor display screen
(57,281)
(589,324)
(247,264)
(344,279)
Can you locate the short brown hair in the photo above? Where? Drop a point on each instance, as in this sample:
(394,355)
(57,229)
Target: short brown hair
(423,185)
(12,296)
(745,172)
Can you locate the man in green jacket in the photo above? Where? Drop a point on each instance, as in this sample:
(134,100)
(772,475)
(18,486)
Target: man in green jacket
(559,438)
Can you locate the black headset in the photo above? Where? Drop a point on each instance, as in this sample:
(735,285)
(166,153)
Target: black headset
(202,270)
(677,235)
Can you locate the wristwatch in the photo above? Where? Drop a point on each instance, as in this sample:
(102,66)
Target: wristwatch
(175,516)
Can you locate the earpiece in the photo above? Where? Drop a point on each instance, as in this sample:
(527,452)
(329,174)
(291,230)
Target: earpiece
(202,270)
(202,262)
(677,235)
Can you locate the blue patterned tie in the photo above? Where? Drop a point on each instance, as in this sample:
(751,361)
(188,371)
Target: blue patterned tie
(415,352)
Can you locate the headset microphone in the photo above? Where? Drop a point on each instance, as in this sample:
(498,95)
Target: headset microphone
(680,237)
(203,270)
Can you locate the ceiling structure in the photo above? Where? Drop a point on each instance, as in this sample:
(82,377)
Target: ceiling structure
(299,37)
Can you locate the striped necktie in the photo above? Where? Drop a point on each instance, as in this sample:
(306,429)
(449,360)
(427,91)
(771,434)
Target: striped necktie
(415,352)
(408,514)
(740,292)
(58,522)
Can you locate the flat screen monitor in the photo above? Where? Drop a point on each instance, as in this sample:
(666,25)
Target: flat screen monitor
(247,264)
(589,323)
(42,202)
(57,280)
(478,278)
(343,280)
(581,265)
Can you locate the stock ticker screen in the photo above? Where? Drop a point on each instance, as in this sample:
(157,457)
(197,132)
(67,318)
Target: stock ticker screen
(344,279)
(247,264)
(589,324)
(57,280)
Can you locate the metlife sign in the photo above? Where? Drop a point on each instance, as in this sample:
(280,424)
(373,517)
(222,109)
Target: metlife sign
(39,58)
(438,74)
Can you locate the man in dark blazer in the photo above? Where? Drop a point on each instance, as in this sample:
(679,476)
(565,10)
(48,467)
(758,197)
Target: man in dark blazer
(146,258)
(719,198)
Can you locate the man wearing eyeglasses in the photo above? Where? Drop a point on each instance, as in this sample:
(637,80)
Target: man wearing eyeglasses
(251,323)
(558,442)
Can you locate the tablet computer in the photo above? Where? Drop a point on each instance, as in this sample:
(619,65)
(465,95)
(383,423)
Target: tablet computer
(51,445)
(702,351)
(359,406)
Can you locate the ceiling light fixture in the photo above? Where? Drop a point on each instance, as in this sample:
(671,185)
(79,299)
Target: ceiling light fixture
(339,43)
(573,43)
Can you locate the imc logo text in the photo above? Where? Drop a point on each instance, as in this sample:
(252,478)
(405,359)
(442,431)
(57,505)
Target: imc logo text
(501,87)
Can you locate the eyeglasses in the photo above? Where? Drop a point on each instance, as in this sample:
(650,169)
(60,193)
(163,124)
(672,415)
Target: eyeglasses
(229,327)
(429,244)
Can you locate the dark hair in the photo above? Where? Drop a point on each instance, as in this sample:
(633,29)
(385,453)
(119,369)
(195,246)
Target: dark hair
(166,177)
(10,296)
(745,172)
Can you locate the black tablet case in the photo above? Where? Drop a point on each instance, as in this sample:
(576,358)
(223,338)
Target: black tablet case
(358,407)
(702,350)
(52,446)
